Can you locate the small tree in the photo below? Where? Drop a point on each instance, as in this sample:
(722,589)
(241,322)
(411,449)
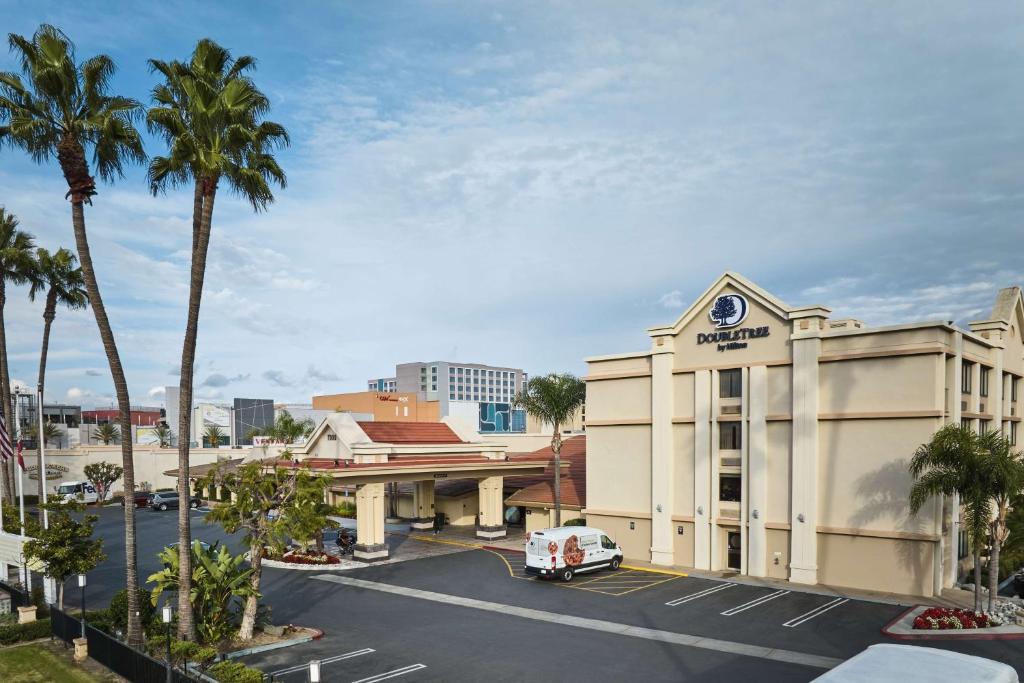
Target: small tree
(108,433)
(213,435)
(554,399)
(163,434)
(51,433)
(1005,470)
(259,489)
(102,475)
(285,429)
(66,547)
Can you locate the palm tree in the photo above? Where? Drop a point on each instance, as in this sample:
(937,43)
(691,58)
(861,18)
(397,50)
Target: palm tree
(106,433)
(62,280)
(62,109)
(51,432)
(209,113)
(286,429)
(1005,470)
(952,464)
(554,399)
(163,433)
(17,266)
(213,434)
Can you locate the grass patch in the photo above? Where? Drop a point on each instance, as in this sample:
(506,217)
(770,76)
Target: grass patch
(38,663)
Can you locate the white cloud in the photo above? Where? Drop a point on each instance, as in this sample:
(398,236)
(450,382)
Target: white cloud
(673,299)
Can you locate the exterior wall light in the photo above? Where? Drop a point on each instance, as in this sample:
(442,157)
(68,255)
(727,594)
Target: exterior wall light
(800,517)
(700,509)
(755,514)
(658,507)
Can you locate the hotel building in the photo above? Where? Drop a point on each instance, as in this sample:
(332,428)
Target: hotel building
(774,441)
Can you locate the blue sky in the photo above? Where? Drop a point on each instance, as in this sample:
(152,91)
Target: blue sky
(529,183)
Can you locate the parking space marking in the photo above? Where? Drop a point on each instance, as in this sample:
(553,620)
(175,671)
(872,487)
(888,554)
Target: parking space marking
(618,583)
(327,660)
(699,594)
(816,612)
(754,603)
(392,674)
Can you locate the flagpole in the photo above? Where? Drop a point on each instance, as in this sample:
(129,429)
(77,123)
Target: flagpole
(42,457)
(21,497)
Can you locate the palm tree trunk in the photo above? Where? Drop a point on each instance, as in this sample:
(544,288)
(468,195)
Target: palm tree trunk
(202,217)
(124,407)
(977,575)
(993,567)
(249,613)
(60,595)
(48,315)
(7,475)
(556,446)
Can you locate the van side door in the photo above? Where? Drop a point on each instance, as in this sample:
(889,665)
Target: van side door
(591,546)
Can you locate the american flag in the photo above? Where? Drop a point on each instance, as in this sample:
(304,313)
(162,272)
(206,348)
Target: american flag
(6,449)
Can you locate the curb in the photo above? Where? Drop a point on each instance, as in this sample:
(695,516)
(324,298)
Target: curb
(669,572)
(276,646)
(277,564)
(947,634)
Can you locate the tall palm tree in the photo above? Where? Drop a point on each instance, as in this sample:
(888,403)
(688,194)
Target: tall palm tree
(554,399)
(213,434)
(106,433)
(17,266)
(62,109)
(163,434)
(952,464)
(1005,477)
(62,281)
(210,114)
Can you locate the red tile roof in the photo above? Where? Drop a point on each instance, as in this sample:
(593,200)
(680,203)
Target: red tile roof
(539,488)
(409,432)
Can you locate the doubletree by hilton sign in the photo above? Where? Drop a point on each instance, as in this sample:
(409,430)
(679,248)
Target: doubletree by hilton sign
(728,312)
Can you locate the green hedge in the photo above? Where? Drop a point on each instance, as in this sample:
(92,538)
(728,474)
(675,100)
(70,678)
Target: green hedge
(234,672)
(16,633)
(576,522)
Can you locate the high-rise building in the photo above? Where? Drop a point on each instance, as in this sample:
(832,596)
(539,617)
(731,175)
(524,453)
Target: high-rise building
(249,415)
(482,394)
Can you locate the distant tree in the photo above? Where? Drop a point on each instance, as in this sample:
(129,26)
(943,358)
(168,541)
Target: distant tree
(213,434)
(285,429)
(101,475)
(724,309)
(1005,475)
(163,434)
(554,399)
(107,432)
(51,433)
(66,547)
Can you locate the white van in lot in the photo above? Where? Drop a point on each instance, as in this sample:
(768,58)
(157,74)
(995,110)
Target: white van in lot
(569,550)
(78,490)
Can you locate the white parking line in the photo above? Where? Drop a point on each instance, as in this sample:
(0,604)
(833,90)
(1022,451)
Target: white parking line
(327,660)
(699,594)
(392,674)
(754,603)
(816,612)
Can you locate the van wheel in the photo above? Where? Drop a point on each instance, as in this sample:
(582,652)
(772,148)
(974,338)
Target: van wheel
(566,575)
(163,507)
(615,564)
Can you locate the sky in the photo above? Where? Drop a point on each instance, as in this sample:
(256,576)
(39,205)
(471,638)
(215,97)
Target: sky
(527,183)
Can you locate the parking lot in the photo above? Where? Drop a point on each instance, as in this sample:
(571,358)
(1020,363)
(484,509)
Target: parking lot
(474,614)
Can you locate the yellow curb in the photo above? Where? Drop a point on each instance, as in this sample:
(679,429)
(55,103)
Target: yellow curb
(653,571)
(427,539)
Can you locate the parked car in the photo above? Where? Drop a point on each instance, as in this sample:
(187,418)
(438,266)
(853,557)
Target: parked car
(165,500)
(78,490)
(890,663)
(569,550)
(141,499)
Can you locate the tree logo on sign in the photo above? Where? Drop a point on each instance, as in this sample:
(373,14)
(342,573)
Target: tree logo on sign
(729,310)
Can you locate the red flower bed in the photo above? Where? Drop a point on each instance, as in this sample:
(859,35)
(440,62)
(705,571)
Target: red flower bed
(945,618)
(310,558)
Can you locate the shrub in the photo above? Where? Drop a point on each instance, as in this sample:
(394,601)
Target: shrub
(235,672)
(345,509)
(16,633)
(117,615)
(579,521)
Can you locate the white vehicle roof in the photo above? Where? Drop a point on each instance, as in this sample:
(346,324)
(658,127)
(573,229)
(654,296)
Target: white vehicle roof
(912,664)
(72,483)
(562,532)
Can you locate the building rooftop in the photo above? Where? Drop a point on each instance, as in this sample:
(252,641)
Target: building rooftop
(410,432)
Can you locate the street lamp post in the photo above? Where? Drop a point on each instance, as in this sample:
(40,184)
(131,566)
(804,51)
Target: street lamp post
(81,584)
(167,614)
(314,671)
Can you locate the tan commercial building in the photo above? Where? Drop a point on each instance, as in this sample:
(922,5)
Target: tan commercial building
(381,405)
(775,441)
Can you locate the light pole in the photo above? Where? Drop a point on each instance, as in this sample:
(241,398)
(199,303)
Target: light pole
(81,584)
(314,671)
(167,614)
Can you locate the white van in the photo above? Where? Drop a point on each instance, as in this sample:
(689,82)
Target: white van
(78,490)
(568,550)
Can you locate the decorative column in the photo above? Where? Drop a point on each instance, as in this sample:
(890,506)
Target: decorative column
(492,519)
(702,469)
(806,338)
(755,471)
(423,505)
(662,469)
(370,524)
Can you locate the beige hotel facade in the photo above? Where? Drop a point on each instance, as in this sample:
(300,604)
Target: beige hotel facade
(775,440)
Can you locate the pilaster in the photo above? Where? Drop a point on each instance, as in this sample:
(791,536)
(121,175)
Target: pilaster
(423,504)
(755,472)
(492,521)
(370,524)
(702,470)
(662,450)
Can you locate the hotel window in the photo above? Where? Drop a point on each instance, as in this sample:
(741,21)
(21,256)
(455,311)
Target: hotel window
(1013,433)
(983,426)
(965,378)
(983,381)
(965,422)
(729,488)
(730,383)
(729,436)
(451,395)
